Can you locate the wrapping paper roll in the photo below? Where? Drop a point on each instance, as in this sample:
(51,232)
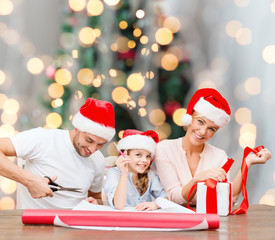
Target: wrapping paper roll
(122,219)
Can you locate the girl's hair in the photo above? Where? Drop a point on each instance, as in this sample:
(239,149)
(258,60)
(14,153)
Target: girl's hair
(142,183)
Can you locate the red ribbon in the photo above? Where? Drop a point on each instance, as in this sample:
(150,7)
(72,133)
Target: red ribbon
(211,194)
(244,169)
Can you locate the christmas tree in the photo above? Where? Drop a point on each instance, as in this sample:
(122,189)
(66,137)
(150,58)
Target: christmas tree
(125,52)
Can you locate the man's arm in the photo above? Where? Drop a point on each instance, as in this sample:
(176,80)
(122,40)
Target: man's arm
(96,196)
(37,186)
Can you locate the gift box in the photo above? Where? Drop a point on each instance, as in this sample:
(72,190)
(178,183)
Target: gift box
(216,199)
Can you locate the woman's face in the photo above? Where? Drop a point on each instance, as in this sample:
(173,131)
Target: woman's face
(140,160)
(201,130)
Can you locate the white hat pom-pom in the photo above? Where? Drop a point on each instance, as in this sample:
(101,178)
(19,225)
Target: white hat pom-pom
(186,120)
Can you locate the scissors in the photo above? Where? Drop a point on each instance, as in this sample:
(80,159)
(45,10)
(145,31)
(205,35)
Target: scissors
(56,187)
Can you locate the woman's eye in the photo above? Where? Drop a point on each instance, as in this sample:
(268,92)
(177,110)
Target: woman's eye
(200,121)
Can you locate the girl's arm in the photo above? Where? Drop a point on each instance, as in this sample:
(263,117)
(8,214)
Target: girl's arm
(121,190)
(251,159)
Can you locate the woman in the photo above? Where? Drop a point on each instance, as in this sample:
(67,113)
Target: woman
(183,162)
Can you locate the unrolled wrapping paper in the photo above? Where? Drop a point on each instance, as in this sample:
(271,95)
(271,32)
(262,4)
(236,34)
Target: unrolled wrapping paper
(143,220)
(223,198)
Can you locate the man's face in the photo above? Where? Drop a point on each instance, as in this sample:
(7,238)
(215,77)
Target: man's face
(85,143)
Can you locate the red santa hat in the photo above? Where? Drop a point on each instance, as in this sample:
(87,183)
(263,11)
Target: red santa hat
(134,139)
(96,117)
(210,104)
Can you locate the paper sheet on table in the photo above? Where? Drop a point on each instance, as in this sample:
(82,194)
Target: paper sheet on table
(164,204)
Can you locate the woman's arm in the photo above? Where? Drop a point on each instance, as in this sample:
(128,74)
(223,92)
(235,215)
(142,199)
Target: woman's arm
(259,158)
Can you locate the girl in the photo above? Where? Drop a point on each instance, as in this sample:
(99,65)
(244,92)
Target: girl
(131,183)
(183,162)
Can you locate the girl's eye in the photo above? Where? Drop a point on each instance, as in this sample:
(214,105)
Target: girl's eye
(138,154)
(213,129)
(148,156)
(200,121)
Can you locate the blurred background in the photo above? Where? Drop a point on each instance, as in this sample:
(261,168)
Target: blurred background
(147,58)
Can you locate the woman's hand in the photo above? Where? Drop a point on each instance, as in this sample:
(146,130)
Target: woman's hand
(259,158)
(215,173)
(122,164)
(147,206)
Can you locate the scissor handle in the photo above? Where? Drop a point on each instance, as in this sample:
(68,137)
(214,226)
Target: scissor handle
(51,182)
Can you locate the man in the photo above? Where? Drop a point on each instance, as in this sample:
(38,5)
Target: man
(72,158)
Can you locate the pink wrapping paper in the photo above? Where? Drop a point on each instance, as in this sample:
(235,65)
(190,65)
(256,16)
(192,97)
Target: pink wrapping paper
(120,219)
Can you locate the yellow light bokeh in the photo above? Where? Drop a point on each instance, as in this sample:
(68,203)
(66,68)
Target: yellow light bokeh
(142,101)
(145,51)
(7,130)
(57,103)
(78,95)
(11,37)
(243,116)
(169,62)
(164,36)
(53,120)
(120,134)
(131,104)
(150,75)
(75,53)
(55,90)
(269,197)
(137,32)
(94,7)
(155,47)
(135,82)
(157,117)
(97,82)
(144,39)
(8,186)
(140,13)
(269,54)
(131,44)
(172,23)
(242,3)
(3,99)
(248,134)
(87,36)
(253,86)
(232,27)
(85,76)
(163,131)
(6,7)
(2,77)
(122,44)
(35,66)
(123,24)
(244,36)
(7,118)
(112,2)
(272,6)
(63,76)
(120,95)
(11,106)
(177,115)
(7,203)
(142,112)
(77,5)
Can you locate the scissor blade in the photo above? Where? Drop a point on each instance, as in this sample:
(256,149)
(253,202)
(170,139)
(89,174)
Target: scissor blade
(70,189)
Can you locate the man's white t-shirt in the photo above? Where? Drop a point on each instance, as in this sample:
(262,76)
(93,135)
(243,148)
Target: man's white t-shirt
(50,152)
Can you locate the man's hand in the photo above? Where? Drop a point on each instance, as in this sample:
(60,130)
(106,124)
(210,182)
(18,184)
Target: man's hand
(38,187)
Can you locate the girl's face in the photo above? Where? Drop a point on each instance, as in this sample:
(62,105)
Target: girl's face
(201,130)
(140,160)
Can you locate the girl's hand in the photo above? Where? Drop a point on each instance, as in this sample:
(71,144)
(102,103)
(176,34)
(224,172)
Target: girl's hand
(122,164)
(259,158)
(147,206)
(91,200)
(215,173)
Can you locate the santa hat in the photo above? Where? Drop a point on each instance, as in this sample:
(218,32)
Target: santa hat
(134,139)
(96,117)
(210,104)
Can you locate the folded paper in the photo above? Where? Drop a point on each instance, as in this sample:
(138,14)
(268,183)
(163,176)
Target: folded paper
(165,220)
